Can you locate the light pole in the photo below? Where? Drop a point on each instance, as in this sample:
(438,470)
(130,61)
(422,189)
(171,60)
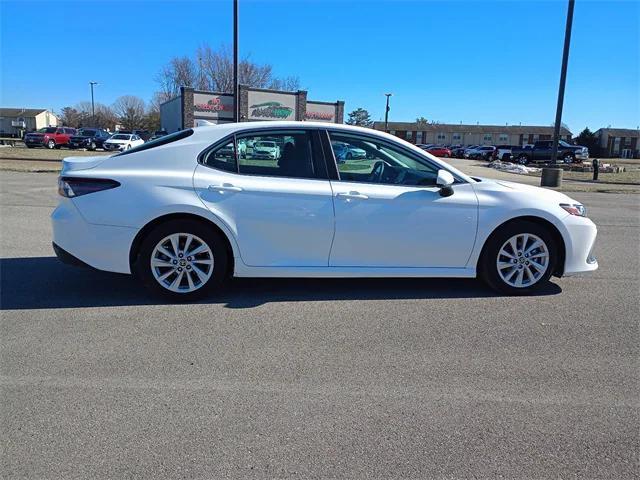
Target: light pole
(93,108)
(563,80)
(386,114)
(236,90)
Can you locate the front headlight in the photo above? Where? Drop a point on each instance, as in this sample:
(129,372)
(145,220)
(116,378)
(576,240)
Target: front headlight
(576,209)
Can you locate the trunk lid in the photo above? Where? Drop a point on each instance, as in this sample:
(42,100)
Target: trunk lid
(73,164)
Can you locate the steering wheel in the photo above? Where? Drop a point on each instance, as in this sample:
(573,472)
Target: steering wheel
(378,171)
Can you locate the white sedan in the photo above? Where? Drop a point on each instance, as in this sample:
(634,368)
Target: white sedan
(185,212)
(122,141)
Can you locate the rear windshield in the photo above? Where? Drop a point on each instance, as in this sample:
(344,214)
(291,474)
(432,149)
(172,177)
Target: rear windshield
(174,137)
(85,133)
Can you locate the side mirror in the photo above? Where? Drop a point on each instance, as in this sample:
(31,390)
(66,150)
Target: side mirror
(444,181)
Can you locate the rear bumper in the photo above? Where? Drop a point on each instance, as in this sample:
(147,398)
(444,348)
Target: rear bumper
(104,247)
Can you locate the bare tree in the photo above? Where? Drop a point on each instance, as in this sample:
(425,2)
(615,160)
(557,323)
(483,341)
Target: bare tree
(213,70)
(130,111)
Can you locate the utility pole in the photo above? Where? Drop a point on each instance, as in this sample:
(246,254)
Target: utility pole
(386,114)
(563,80)
(93,107)
(236,89)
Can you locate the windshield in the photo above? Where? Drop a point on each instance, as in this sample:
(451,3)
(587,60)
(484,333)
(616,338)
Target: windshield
(121,137)
(85,133)
(565,144)
(47,130)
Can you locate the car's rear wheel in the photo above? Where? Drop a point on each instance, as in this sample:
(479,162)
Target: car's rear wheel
(92,147)
(51,144)
(523,160)
(182,259)
(518,258)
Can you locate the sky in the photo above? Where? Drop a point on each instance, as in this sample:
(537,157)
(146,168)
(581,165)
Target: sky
(492,62)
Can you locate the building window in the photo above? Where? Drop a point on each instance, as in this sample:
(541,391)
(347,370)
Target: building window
(457,136)
(419,137)
(504,137)
(616,145)
(441,136)
(487,138)
(409,135)
(392,132)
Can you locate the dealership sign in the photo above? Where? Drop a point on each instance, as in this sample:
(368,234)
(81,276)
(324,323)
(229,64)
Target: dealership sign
(320,112)
(271,106)
(213,106)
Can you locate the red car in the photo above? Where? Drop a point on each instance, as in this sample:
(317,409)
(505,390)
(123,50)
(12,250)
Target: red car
(50,137)
(439,151)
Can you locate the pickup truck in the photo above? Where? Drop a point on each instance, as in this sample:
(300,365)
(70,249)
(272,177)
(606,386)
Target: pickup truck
(50,137)
(541,152)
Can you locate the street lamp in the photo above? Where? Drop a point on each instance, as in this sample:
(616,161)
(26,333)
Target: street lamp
(386,113)
(236,89)
(93,108)
(563,80)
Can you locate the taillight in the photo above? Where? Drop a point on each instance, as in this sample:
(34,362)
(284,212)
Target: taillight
(75,186)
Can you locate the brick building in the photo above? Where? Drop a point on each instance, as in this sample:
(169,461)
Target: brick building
(619,142)
(458,134)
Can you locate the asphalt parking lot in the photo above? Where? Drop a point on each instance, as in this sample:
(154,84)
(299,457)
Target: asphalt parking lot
(315,378)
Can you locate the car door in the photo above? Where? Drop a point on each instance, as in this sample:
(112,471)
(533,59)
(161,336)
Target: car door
(397,217)
(280,209)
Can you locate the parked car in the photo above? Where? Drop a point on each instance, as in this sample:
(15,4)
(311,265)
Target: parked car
(540,152)
(122,141)
(89,138)
(458,152)
(424,146)
(502,153)
(182,218)
(344,151)
(143,134)
(50,137)
(266,150)
(158,134)
(439,151)
(481,152)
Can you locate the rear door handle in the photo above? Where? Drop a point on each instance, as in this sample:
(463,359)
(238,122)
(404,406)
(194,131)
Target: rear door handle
(225,187)
(352,196)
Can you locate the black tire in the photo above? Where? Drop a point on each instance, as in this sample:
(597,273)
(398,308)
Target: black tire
(51,144)
(523,160)
(488,270)
(29,146)
(92,147)
(568,158)
(215,241)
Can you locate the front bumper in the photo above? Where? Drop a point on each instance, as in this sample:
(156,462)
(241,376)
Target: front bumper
(104,247)
(580,239)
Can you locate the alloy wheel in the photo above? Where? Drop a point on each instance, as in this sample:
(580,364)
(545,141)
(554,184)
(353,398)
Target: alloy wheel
(522,260)
(182,262)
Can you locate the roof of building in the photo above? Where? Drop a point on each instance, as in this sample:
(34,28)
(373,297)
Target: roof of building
(619,132)
(21,112)
(455,127)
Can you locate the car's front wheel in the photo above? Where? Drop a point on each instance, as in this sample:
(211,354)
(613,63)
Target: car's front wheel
(51,144)
(182,259)
(523,160)
(518,258)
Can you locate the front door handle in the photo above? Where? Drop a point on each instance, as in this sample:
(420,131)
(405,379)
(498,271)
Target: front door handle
(225,187)
(352,196)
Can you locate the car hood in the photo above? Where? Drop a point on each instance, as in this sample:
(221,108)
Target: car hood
(514,189)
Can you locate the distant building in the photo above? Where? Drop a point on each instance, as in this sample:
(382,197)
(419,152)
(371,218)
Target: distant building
(458,134)
(619,142)
(15,122)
